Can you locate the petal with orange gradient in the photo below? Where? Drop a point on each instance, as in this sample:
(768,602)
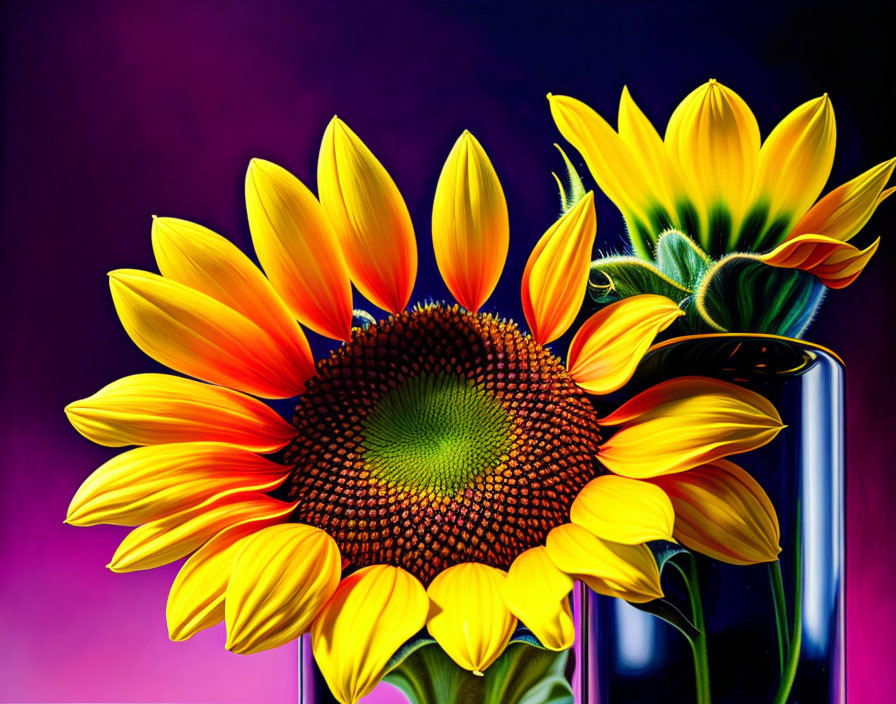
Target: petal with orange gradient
(721,511)
(470,230)
(608,347)
(836,264)
(148,483)
(622,510)
(152,409)
(373,611)
(468,614)
(556,274)
(197,335)
(369,216)
(281,578)
(178,534)
(203,260)
(795,161)
(298,248)
(538,595)
(714,138)
(613,569)
(845,210)
(196,599)
(685,422)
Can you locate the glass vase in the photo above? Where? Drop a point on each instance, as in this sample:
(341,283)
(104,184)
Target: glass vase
(642,658)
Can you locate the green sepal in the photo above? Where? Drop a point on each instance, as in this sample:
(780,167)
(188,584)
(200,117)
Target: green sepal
(681,259)
(616,277)
(574,190)
(743,294)
(525,673)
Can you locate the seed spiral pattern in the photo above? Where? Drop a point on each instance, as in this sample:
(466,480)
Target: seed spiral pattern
(440,436)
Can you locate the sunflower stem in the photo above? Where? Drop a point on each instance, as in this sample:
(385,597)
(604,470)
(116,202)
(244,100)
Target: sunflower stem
(698,643)
(777,584)
(793,653)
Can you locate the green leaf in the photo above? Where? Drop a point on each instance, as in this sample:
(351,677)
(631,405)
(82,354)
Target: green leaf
(524,674)
(679,258)
(668,612)
(618,277)
(742,294)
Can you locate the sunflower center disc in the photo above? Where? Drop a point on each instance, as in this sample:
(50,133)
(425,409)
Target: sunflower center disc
(435,432)
(438,437)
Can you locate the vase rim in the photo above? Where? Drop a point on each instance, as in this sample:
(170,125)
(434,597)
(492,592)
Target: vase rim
(752,335)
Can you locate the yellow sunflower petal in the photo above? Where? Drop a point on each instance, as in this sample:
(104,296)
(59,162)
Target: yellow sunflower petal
(556,274)
(609,346)
(195,334)
(623,510)
(609,158)
(648,148)
(373,611)
(203,260)
(538,595)
(845,210)
(370,218)
(177,535)
(281,578)
(721,511)
(468,615)
(836,264)
(470,231)
(149,409)
(626,571)
(714,138)
(298,249)
(196,599)
(683,423)
(151,482)
(795,161)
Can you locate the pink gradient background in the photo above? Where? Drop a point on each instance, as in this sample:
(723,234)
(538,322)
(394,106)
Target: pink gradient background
(115,111)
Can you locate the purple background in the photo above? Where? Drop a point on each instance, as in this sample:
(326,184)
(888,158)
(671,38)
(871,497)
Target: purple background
(114,111)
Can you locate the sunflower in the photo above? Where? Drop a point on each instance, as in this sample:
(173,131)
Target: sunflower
(444,469)
(719,220)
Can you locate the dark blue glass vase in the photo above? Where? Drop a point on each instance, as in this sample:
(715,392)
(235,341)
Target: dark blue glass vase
(637,657)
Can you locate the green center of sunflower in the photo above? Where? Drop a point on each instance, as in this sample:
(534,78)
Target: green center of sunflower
(435,432)
(437,437)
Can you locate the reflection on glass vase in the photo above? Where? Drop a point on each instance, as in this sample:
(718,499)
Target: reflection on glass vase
(771,633)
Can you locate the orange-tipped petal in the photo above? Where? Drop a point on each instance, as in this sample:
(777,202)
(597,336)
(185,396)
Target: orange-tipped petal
(298,249)
(795,161)
(556,274)
(196,599)
(470,231)
(151,482)
(152,409)
(203,260)
(282,576)
(723,512)
(836,264)
(845,210)
(369,216)
(685,422)
(193,333)
(177,535)
(373,611)
(609,346)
